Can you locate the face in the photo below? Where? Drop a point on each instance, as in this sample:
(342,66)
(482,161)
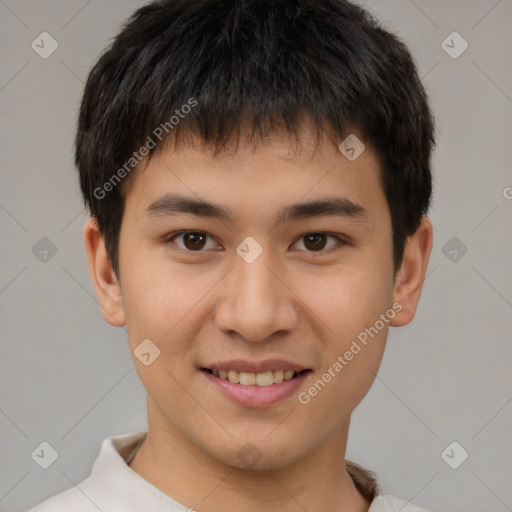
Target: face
(269,262)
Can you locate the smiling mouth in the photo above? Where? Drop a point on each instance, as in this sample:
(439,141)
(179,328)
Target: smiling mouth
(262,379)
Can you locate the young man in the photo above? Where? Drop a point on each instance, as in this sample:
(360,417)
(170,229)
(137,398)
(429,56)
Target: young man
(258,175)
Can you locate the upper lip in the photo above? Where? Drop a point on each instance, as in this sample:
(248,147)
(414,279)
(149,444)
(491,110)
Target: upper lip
(267,365)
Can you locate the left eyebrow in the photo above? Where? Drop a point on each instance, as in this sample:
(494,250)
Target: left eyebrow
(170,205)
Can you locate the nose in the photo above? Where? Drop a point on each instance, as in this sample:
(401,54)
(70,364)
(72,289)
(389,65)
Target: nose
(256,302)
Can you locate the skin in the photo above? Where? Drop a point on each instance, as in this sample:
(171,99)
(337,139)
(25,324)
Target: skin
(293,302)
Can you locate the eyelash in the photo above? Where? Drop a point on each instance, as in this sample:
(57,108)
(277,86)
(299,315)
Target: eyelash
(340,241)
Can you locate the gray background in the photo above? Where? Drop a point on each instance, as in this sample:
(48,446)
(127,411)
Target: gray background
(66,377)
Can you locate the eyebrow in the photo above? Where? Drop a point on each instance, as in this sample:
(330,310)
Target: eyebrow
(170,205)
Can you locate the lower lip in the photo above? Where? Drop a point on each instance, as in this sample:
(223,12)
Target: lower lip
(257,396)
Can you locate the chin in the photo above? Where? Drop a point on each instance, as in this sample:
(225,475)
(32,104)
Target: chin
(259,453)
(263,461)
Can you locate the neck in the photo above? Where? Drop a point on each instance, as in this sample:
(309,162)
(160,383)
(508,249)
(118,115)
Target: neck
(189,475)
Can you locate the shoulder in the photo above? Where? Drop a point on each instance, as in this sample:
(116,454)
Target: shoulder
(387,503)
(370,487)
(111,485)
(72,499)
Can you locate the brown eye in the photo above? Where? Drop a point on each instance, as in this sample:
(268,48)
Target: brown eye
(319,242)
(193,241)
(315,241)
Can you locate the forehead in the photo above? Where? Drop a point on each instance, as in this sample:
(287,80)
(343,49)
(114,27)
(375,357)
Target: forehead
(247,176)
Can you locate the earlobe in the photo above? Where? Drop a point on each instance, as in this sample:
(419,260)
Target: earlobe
(410,277)
(103,277)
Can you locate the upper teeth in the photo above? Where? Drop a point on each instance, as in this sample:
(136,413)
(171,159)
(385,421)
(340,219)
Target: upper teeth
(254,379)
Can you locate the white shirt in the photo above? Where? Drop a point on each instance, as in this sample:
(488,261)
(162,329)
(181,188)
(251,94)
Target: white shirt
(113,486)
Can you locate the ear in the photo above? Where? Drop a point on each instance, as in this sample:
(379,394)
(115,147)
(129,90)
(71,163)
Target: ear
(103,277)
(410,277)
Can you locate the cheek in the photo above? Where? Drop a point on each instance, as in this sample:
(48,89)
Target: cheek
(350,304)
(347,300)
(154,293)
(349,369)
(167,304)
